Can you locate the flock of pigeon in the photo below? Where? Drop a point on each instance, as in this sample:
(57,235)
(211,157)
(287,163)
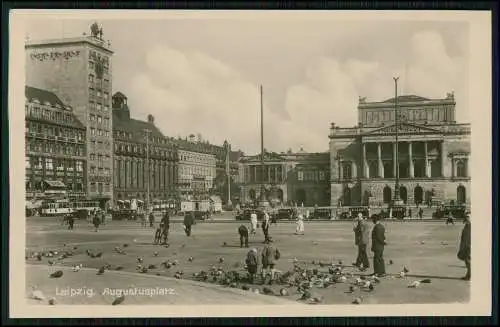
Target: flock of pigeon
(302,280)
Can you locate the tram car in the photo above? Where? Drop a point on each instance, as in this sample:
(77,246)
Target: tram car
(56,207)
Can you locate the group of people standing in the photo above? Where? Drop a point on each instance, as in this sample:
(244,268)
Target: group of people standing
(362,237)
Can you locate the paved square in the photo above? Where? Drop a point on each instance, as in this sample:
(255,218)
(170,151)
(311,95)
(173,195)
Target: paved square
(427,249)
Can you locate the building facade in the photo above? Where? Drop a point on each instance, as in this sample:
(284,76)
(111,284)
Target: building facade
(288,178)
(226,160)
(79,71)
(55,147)
(196,173)
(132,140)
(433,153)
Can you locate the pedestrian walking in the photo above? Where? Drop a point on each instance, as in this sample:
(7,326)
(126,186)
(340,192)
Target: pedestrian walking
(270,254)
(151,219)
(188,222)
(464,251)
(450,220)
(378,245)
(265,227)
(420,213)
(71,221)
(96,221)
(361,239)
(253,221)
(300,225)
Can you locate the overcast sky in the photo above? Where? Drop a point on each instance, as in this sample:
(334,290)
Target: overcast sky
(202,76)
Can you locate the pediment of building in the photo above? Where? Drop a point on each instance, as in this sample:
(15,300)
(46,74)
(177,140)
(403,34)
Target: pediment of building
(403,128)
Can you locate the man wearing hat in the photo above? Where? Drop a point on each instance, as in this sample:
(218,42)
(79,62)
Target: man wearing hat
(361,239)
(270,254)
(464,252)
(378,245)
(252,264)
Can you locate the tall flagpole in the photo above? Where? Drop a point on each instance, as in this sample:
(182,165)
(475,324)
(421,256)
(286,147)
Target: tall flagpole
(263,201)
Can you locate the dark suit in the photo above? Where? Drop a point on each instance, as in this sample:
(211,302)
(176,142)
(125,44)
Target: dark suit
(188,222)
(378,244)
(243,231)
(464,253)
(362,237)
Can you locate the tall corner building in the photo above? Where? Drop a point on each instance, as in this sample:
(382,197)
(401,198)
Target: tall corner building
(78,70)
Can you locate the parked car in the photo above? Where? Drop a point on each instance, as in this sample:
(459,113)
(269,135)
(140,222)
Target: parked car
(457,211)
(321,213)
(286,214)
(245,214)
(354,211)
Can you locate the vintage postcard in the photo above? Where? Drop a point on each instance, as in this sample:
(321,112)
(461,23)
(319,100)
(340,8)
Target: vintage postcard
(250,163)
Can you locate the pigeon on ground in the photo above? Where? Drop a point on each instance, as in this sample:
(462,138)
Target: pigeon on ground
(155,254)
(88,252)
(190,259)
(357,300)
(405,270)
(75,247)
(444,243)
(101,270)
(56,274)
(175,262)
(422,242)
(118,300)
(51,262)
(140,260)
(283,292)
(52,301)
(267,291)
(391,262)
(151,266)
(76,268)
(351,289)
(125,245)
(221,260)
(143,270)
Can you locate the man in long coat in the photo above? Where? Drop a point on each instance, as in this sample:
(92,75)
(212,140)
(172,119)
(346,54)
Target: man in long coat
(188,222)
(464,253)
(361,239)
(378,245)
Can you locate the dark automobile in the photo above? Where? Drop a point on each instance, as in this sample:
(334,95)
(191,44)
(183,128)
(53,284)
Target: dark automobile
(201,215)
(286,214)
(456,211)
(245,214)
(344,215)
(123,214)
(80,214)
(321,213)
(398,212)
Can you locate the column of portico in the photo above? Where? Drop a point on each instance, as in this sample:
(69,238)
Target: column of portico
(410,158)
(341,171)
(354,169)
(366,169)
(426,158)
(394,163)
(380,164)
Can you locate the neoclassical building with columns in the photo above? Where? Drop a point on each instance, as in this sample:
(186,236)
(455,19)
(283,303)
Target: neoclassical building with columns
(433,154)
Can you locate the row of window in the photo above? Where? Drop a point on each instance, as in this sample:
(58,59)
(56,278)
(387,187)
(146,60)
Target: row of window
(48,113)
(98,93)
(100,120)
(98,106)
(100,171)
(207,159)
(197,170)
(152,139)
(50,130)
(33,162)
(101,159)
(99,132)
(93,55)
(100,187)
(55,148)
(406,114)
(312,175)
(37,186)
(141,149)
(99,145)
(92,79)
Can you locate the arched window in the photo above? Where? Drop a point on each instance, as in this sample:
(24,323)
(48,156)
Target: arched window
(346,170)
(461,168)
(418,195)
(461,194)
(387,194)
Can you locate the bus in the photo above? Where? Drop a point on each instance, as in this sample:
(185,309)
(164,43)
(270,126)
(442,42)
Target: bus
(83,207)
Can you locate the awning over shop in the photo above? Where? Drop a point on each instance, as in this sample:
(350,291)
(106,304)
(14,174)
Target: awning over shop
(55,184)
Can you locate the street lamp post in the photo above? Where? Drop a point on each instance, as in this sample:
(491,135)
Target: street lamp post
(147,131)
(397,200)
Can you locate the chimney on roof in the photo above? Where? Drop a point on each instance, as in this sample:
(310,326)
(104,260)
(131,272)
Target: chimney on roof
(151,119)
